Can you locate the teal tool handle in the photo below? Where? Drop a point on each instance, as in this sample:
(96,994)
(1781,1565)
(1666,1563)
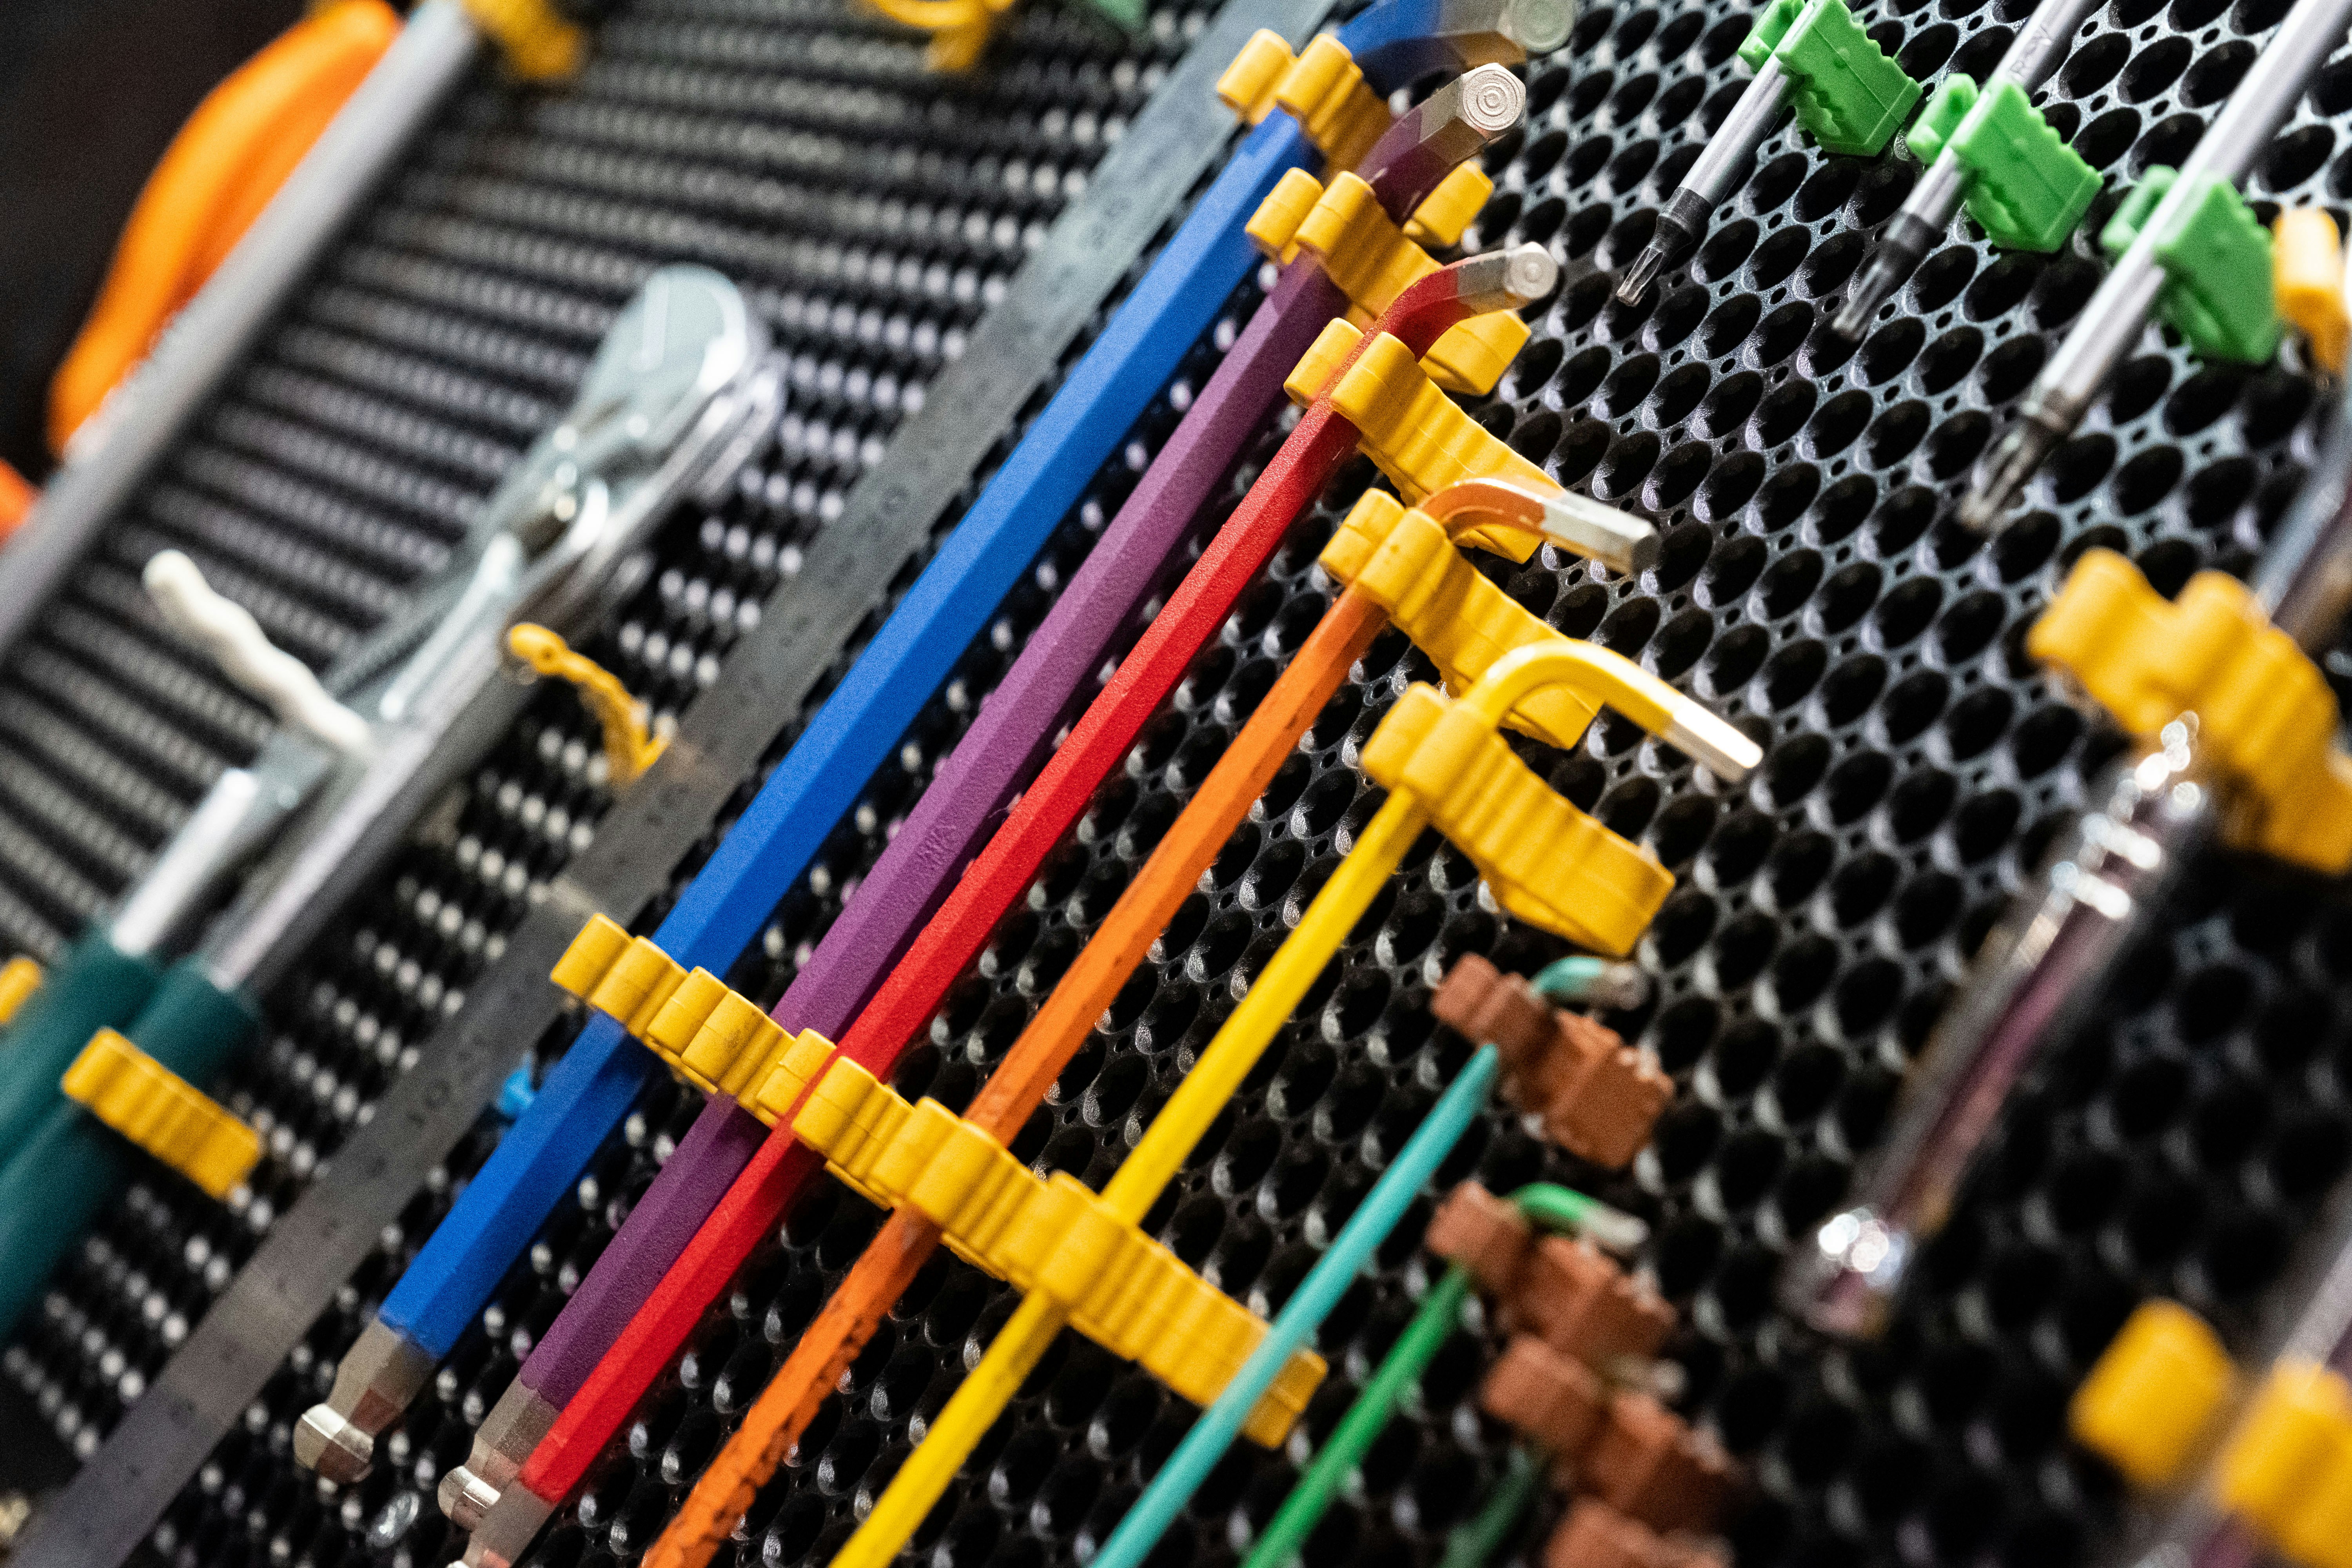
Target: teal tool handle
(55,1185)
(95,986)
(51,1192)
(191,1026)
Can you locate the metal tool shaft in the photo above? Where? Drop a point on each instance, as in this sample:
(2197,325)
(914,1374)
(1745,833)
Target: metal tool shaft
(2113,320)
(2032,55)
(2051,959)
(1711,181)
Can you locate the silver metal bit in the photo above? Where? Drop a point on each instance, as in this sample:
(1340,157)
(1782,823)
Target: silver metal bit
(2112,323)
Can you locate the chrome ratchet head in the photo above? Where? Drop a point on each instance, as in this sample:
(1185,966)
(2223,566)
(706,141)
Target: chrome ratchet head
(682,391)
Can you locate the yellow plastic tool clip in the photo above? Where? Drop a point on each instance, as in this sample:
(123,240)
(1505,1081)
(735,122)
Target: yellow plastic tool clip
(538,44)
(2296,1432)
(19,978)
(960,30)
(2266,719)
(1249,84)
(1372,261)
(1404,562)
(1052,1237)
(2153,1393)
(162,1113)
(1411,431)
(1544,860)
(1321,87)
(2308,277)
(710,1036)
(629,748)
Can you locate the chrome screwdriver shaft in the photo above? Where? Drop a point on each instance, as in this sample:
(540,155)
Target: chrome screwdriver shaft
(2113,320)
(2028,63)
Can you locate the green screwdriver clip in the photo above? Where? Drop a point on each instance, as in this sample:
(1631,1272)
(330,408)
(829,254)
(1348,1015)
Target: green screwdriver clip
(2027,189)
(2218,292)
(1848,94)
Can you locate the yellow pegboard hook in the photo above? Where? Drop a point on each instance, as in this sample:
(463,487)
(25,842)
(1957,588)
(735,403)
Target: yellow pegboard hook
(629,747)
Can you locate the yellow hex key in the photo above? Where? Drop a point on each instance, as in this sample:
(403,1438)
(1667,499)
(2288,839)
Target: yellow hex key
(1447,743)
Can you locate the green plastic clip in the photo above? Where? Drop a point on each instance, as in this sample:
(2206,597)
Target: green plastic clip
(2027,189)
(1848,94)
(2218,292)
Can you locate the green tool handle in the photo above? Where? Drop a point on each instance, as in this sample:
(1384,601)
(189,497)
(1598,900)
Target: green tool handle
(95,986)
(55,1185)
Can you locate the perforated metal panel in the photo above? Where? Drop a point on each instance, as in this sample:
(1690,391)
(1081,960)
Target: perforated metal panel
(1809,587)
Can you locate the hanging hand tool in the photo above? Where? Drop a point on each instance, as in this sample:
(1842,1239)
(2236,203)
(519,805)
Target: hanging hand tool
(2173,257)
(679,395)
(1809,54)
(819,780)
(779,1168)
(2025,187)
(2235,725)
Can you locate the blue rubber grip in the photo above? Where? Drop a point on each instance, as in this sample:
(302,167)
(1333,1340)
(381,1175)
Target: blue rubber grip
(820,779)
(1312,1302)
(95,986)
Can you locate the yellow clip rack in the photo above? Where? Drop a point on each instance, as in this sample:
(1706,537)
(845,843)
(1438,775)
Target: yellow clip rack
(1372,261)
(1321,87)
(1052,1237)
(162,1113)
(713,1037)
(1403,563)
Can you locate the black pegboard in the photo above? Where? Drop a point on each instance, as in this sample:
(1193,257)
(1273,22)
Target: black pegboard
(440,338)
(1812,586)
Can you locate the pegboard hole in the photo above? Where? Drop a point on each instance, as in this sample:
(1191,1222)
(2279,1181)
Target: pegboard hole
(1780,334)
(2076,468)
(1888,352)
(1942,277)
(1728,325)
(2003,285)
(2296,157)
(1677,394)
(2154,68)
(1769,187)
(2010,368)
(1919,805)
(1851,689)
(1796,867)
(2092,65)
(1726,248)
(1839,421)
(2217,73)
(2166,143)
